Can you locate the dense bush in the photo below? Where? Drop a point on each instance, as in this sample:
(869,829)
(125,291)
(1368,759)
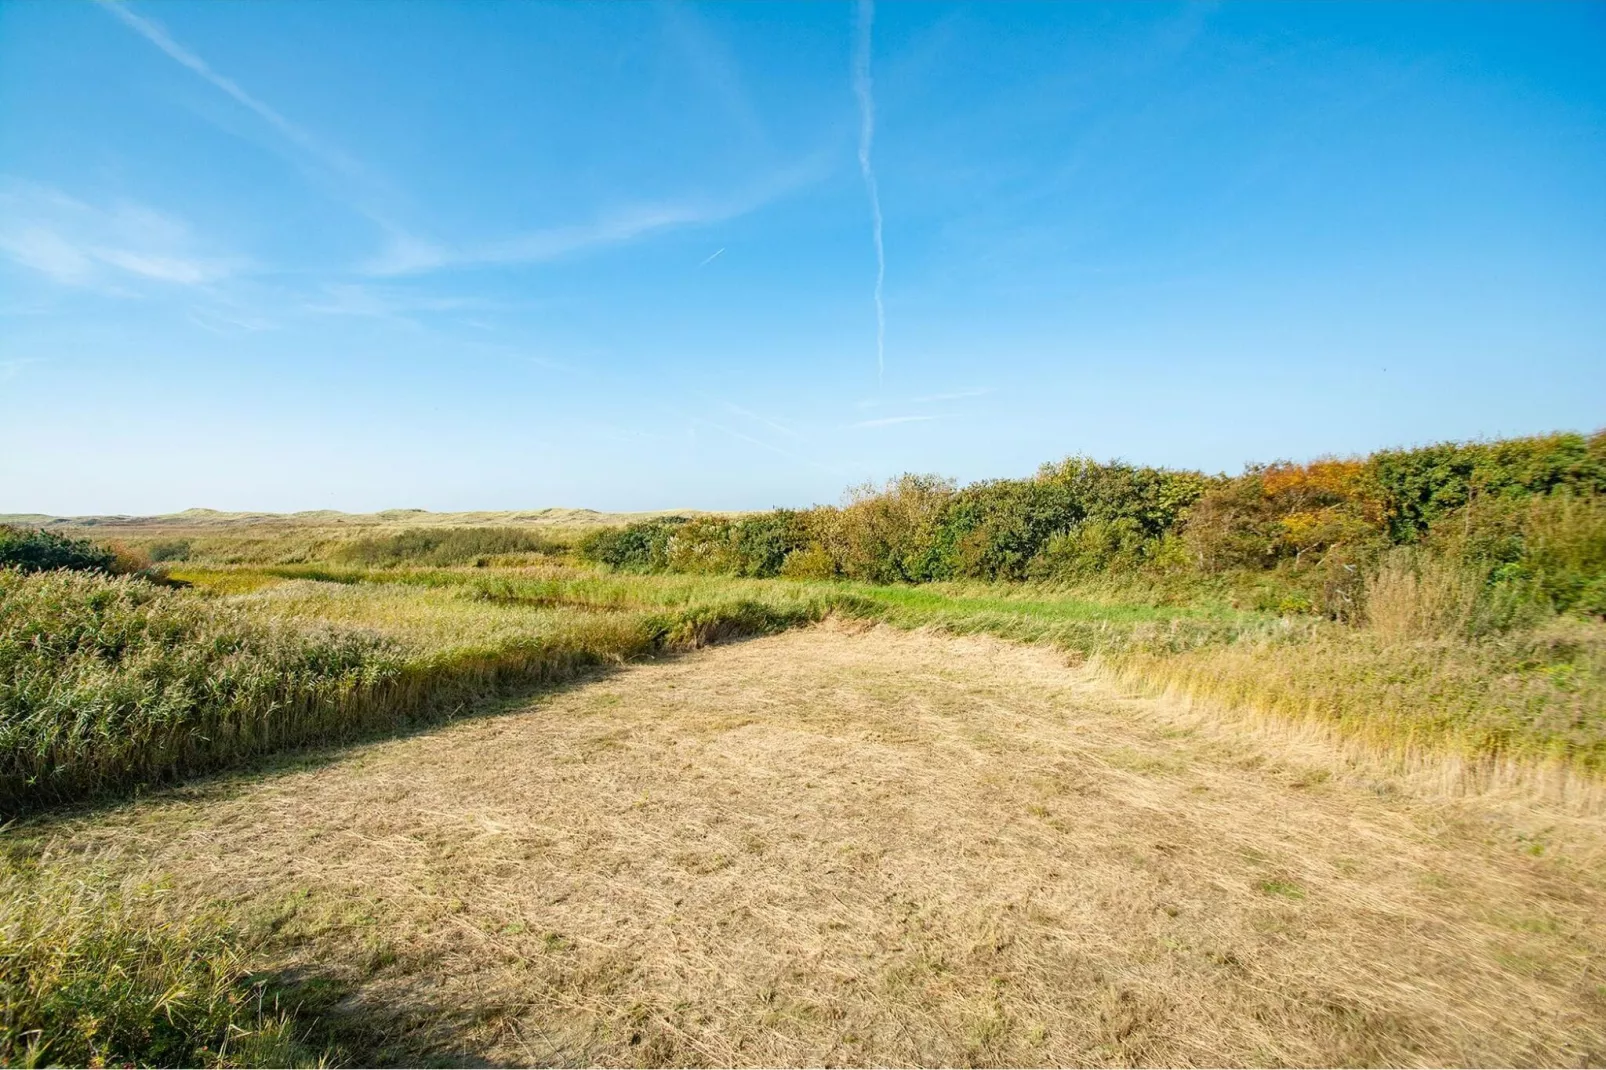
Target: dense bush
(441,546)
(886,534)
(757,545)
(1521,520)
(1419,487)
(38,550)
(638,547)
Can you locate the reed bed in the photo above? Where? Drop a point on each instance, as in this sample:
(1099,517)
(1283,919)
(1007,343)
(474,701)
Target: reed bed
(110,683)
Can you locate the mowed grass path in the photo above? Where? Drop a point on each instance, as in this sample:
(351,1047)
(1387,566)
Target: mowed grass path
(883,847)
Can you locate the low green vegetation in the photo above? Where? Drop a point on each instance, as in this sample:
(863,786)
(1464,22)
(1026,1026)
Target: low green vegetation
(93,974)
(445,546)
(108,683)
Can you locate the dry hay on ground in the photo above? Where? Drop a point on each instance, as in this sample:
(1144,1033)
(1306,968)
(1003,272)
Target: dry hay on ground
(894,848)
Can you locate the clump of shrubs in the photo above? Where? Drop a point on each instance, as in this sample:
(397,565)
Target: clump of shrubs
(757,545)
(37,550)
(170,550)
(1518,527)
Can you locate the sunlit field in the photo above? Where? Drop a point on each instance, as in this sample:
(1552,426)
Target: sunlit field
(878,783)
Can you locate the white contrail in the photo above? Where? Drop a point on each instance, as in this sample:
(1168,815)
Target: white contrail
(358,187)
(156,35)
(711,259)
(861,89)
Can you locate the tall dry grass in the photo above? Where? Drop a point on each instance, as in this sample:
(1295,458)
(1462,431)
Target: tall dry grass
(1534,697)
(1415,595)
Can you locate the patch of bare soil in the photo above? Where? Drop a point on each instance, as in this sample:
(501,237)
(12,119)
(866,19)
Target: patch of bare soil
(894,848)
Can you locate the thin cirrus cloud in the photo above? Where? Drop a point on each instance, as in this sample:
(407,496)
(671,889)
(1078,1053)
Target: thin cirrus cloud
(78,244)
(927,399)
(361,187)
(406,253)
(616,228)
(888,421)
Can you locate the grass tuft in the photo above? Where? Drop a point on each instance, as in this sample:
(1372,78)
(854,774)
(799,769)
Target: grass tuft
(92,974)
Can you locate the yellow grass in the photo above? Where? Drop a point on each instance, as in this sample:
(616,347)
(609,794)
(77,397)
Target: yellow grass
(887,847)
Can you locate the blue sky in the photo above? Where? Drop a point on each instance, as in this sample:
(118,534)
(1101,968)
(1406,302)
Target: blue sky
(358,255)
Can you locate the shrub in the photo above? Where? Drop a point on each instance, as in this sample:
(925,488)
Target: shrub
(1419,487)
(638,547)
(993,530)
(704,545)
(1153,499)
(996,529)
(812,562)
(39,550)
(884,535)
(1564,551)
(170,550)
(1285,512)
(132,561)
(1091,547)
(764,541)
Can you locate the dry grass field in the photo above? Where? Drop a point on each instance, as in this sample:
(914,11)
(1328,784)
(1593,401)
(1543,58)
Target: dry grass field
(857,845)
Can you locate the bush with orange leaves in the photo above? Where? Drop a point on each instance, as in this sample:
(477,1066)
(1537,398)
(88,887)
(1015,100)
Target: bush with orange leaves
(1286,512)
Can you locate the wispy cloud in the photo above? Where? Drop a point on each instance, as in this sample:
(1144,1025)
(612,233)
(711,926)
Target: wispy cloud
(926,399)
(618,227)
(357,299)
(79,244)
(405,253)
(713,66)
(863,89)
(955,396)
(10,369)
(887,421)
(543,245)
(45,251)
(773,425)
(157,35)
(362,192)
(781,451)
